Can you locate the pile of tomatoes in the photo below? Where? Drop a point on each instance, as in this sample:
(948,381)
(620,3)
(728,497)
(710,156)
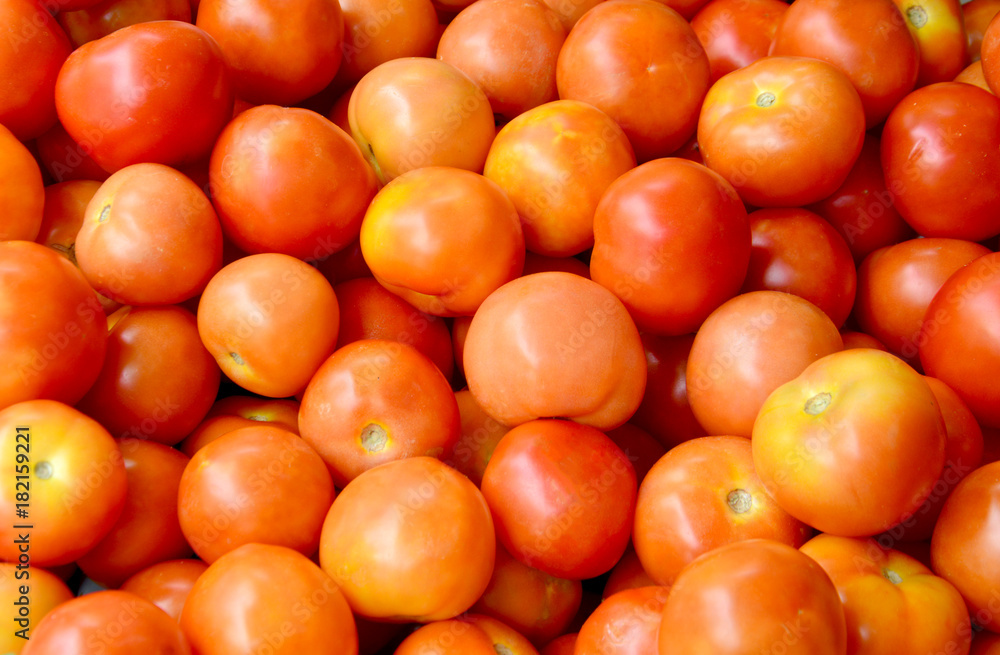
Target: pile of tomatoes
(591,327)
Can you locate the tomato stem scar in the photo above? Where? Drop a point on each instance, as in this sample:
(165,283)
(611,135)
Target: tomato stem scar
(818,403)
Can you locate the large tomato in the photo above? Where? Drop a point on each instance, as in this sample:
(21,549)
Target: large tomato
(827,443)
(736,33)
(152,92)
(785,131)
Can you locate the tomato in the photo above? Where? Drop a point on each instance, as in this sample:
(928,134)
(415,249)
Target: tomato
(149,236)
(702,495)
(796,251)
(377,31)
(65,208)
(58,353)
(976,16)
(938,29)
(282,411)
(111,622)
(808,128)
(64,159)
(30,593)
(795,606)
(375,401)
(639,446)
(985,643)
(564,645)
(22,197)
(842,32)
(443,239)
(571,11)
(736,33)
(164,73)
(854,339)
(892,603)
(627,56)
(625,623)
(166,584)
(896,284)
(105,16)
(479,438)
(535,340)
(563,497)
(448,637)
(963,549)
(416,111)
(250,308)
(942,172)
(991,54)
(369,311)
(410,540)
(665,411)
(825,443)
(509,48)
(973,74)
(555,161)
(863,210)
(264,598)
(276,53)
(30,59)
(287,180)
(505,639)
(627,574)
(537,605)
(653,231)
(746,349)
(958,342)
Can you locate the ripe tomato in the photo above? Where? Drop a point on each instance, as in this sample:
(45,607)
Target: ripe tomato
(64,159)
(869,42)
(736,33)
(480,435)
(825,443)
(282,411)
(105,16)
(267,599)
(958,341)
(943,173)
(58,353)
(665,411)
(410,540)
(627,574)
(169,74)
(447,637)
(555,161)
(287,180)
(795,606)
(563,497)
(166,584)
(110,622)
(22,197)
(892,603)
(747,348)
(808,129)
(443,239)
(937,27)
(65,208)
(416,111)
(250,308)
(639,446)
(627,56)
(973,74)
(534,342)
(30,593)
(377,31)
(564,645)
(976,16)
(625,623)
(701,495)
(375,401)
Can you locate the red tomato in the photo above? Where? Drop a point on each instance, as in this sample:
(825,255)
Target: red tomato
(168,74)
(564,645)
(854,339)
(480,435)
(303,194)
(627,56)
(842,32)
(30,593)
(535,340)
(166,584)
(958,342)
(795,606)
(701,495)
(58,353)
(796,251)
(944,174)
(149,237)
(639,446)
(430,512)
(22,197)
(377,31)
(64,159)
(626,623)
(563,497)
(938,29)
(267,599)
(105,16)
(893,603)
(808,129)
(110,622)
(825,443)
(448,637)
(375,401)
(736,33)
(627,574)
(665,411)
(65,208)
(976,15)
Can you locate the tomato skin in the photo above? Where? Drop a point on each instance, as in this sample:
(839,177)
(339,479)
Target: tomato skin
(64,159)
(807,130)
(45,592)
(976,15)
(248,598)
(168,73)
(973,74)
(83,625)
(958,341)
(628,55)
(627,574)
(407,28)
(795,604)
(65,207)
(938,29)
(825,443)
(105,16)
(943,173)
(625,623)
(665,411)
(736,33)
(480,435)
(22,197)
(59,353)
(892,602)
(166,584)
(562,496)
